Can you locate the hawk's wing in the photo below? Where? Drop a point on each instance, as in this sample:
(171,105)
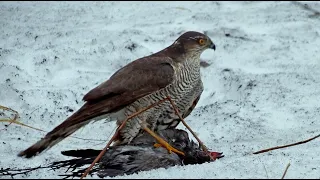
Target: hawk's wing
(133,81)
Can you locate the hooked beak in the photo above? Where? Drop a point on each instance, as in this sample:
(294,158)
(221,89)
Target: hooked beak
(212,46)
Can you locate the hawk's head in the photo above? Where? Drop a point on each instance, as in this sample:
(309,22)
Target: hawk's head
(193,41)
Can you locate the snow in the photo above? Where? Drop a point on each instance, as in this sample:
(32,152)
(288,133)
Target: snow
(262,88)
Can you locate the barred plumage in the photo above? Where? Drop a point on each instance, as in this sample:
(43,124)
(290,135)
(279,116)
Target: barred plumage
(186,87)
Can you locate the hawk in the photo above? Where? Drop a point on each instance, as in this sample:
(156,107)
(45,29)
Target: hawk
(172,72)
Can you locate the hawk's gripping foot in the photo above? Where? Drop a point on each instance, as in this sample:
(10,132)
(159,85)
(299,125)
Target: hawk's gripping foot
(168,147)
(162,142)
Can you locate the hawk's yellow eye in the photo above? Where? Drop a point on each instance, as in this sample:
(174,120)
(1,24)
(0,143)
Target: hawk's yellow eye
(202,41)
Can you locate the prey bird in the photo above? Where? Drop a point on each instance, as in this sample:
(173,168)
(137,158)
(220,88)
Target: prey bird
(140,155)
(126,159)
(170,76)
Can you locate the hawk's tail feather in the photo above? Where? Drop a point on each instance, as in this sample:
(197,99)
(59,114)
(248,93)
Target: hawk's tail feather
(52,138)
(87,113)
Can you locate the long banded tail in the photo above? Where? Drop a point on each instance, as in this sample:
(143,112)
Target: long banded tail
(65,129)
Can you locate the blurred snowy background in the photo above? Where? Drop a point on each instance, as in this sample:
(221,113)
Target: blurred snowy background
(262,88)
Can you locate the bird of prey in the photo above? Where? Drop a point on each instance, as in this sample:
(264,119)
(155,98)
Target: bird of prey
(173,72)
(127,159)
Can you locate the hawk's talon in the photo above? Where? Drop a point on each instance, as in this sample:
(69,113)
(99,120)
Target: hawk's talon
(157,145)
(169,148)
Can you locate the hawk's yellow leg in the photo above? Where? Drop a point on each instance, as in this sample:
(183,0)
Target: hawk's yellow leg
(162,142)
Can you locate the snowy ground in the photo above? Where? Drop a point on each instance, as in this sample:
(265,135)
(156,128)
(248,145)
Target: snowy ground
(261,90)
